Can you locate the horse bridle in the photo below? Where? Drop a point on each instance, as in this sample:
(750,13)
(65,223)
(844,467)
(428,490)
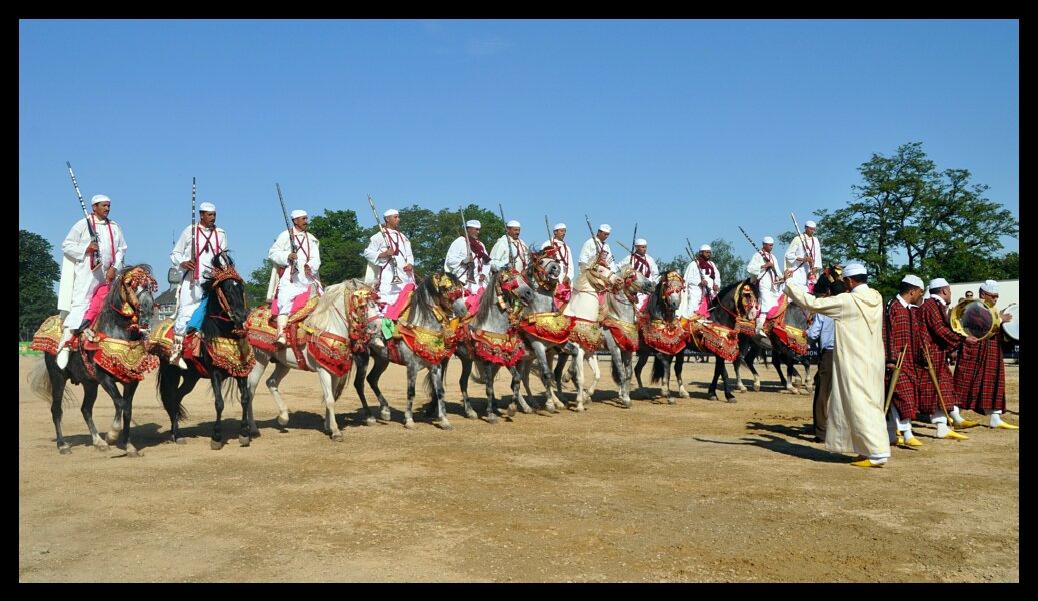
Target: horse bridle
(137,279)
(216,277)
(540,272)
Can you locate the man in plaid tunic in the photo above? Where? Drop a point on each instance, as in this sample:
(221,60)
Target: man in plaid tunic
(938,338)
(980,374)
(901,329)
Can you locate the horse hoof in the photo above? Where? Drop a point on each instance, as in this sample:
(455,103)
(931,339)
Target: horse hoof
(683,394)
(786,391)
(370,421)
(511,410)
(712,397)
(409,424)
(254,433)
(385,415)
(282,419)
(527,410)
(741,388)
(101,445)
(803,391)
(337,437)
(470,414)
(244,441)
(112,437)
(215,445)
(578,407)
(730,400)
(65,450)
(444,425)
(671,401)
(180,440)
(131,451)
(491,418)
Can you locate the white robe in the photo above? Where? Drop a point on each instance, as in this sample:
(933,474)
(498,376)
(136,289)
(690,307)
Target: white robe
(285,286)
(189,296)
(766,280)
(589,254)
(379,272)
(796,251)
(520,254)
(693,295)
(564,256)
(653,275)
(458,253)
(856,421)
(78,281)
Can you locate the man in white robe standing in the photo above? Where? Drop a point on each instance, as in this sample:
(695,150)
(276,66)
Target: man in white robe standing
(519,253)
(702,278)
(804,257)
(285,283)
(82,273)
(194,253)
(764,268)
(856,423)
(473,274)
(380,254)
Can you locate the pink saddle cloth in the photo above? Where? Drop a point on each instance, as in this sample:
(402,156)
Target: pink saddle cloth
(703,310)
(96,302)
(472,300)
(778,306)
(297,302)
(393,311)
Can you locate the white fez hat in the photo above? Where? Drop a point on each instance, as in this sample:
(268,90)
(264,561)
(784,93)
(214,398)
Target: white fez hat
(605,227)
(938,283)
(473,223)
(854,269)
(559,226)
(298,213)
(990,286)
(390,212)
(913,280)
(810,224)
(513,223)
(704,247)
(768,240)
(208,207)
(99,198)
(641,242)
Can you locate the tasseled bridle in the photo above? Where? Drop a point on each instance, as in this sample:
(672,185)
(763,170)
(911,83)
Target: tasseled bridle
(218,275)
(132,281)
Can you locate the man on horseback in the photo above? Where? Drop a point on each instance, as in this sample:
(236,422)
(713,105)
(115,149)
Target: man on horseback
(643,264)
(702,283)
(207,240)
(88,276)
(295,271)
(384,247)
(472,272)
(519,253)
(804,257)
(564,255)
(762,267)
(596,250)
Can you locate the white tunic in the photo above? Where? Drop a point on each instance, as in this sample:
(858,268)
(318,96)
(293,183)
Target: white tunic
(649,268)
(379,272)
(284,285)
(79,280)
(520,253)
(208,243)
(564,256)
(589,254)
(693,295)
(796,251)
(458,253)
(770,289)
(856,421)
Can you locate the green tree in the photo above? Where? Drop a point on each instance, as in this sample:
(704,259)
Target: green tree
(731,266)
(431,234)
(256,286)
(342,242)
(37,272)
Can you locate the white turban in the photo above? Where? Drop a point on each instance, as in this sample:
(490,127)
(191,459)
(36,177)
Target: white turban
(513,223)
(641,242)
(938,283)
(99,198)
(559,226)
(768,240)
(298,213)
(208,207)
(990,286)
(605,227)
(473,223)
(854,269)
(390,212)
(704,247)
(809,224)
(914,280)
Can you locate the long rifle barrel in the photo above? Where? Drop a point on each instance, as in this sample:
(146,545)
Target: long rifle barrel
(86,215)
(392,259)
(291,235)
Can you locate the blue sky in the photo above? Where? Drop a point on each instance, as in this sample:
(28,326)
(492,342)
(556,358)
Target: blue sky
(689,128)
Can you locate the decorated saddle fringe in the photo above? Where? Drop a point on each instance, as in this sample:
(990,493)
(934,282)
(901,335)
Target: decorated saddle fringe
(125,360)
(714,338)
(430,345)
(586,333)
(233,355)
(667,337)
(794,338)
(500,349)
(259,330)
(624,333)
(551,327)
(47,336)
(746,327)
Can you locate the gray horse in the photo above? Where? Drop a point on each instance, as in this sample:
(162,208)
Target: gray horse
(543,272)
(662,307)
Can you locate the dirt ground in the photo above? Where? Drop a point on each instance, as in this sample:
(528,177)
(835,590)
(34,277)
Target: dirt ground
(697,491)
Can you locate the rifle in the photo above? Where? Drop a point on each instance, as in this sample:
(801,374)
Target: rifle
(633,238)
(598,243)
(291,235)
(86,215)
(691,255)
(507,241)
(385,236)
(194,233)
(547,228)
(803,243)
(761,253)
(471,268)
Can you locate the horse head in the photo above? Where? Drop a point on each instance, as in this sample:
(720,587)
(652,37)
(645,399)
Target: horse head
(544,269)
(446,289)
(134,296)
(669,291)
(510,282)
(224,282)
(602,279)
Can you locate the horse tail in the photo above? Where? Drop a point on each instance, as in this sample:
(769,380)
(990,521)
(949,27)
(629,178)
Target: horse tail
(342,382)
(427,384)
(657,370)
(42,386)
(229,389)
(179,411)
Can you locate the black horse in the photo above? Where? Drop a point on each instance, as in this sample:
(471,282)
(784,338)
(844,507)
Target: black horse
(731,303)
(125,316)
(225,314)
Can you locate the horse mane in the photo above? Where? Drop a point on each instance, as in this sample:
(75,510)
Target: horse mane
(423,301)
(220,261)
(109,320)
(318,320)
(487,301)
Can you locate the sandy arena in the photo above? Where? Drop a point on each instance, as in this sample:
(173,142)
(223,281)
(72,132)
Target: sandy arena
(697,491)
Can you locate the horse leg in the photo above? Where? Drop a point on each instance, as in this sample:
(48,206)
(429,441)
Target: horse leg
(592,360)
(517,379)
(124,404)
(216,380)
(89,396)
(360,361)
(750,356)
(463,384)
(783,383)
(176,392)
(489,375)
(280,371)
(381,364)
(643,358)
(667,359)
(523,368)
(622,365)
(719,366)
(57,394)
(330,423)
(412,375)
(578,372)
(546,377)
(436,373)
(738,361)
(679,361)
(244,438)
(561,375)
(255,376)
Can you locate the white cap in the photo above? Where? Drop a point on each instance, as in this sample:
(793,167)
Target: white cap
(641,242)
(208,207)
(913,280)
(990,286)
(99,198)
(390,212)
(854,269)
(810,224)
(768,240)
(704,247)
(513,223)
(938,283)
(605,227)
(559,226)
(298,213)
(473,223)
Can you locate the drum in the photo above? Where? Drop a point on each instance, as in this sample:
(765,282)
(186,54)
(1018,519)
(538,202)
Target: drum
(974,318)
(1012,328)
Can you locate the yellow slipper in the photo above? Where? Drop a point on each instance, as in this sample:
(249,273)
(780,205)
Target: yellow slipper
(900,440)
(953,435)
(913,442)
(1007,426)
(865,463)
(966,423)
